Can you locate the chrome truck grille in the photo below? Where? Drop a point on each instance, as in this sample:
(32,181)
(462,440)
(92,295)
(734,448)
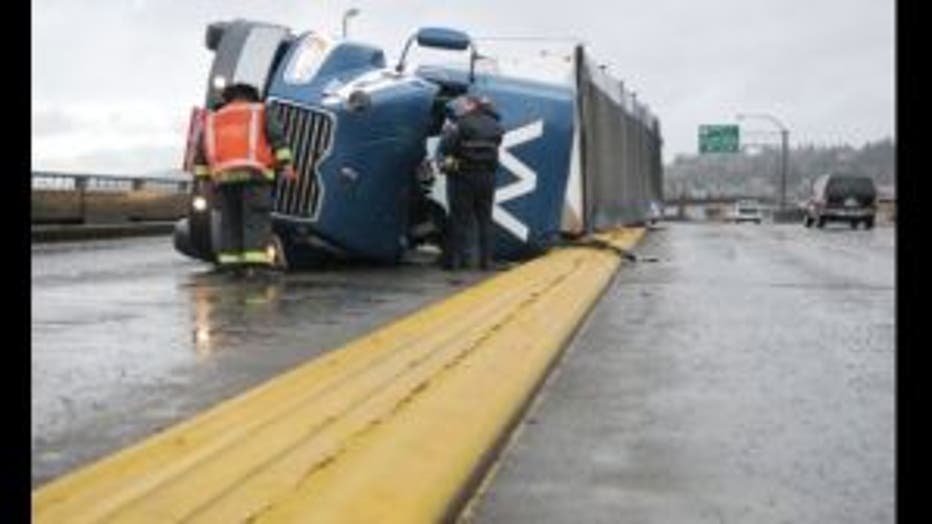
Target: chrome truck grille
(309,134)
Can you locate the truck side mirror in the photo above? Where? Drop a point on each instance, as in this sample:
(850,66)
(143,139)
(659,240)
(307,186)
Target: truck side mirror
(441,38)
(214,34)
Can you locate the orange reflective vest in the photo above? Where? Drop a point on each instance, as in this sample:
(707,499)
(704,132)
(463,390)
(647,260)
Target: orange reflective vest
(234,138)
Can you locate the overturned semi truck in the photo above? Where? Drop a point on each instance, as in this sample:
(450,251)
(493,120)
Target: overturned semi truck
(577,157)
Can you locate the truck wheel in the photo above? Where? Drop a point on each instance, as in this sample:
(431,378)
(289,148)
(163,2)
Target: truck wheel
(869,223)
(820,222)
(807,221)
(854,224)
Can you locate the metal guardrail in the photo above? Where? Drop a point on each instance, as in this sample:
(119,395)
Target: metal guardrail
(720,197)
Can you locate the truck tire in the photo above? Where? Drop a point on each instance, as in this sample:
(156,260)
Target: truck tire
(869,223)
(820,222)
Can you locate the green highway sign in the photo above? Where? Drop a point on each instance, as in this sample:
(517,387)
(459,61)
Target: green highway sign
(718,139)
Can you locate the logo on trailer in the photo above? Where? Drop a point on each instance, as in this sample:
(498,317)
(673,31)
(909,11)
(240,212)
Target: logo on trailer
(526,177)
(526,182)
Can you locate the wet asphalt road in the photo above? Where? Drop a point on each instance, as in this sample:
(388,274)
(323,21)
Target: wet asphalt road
(747,376)
(129,337)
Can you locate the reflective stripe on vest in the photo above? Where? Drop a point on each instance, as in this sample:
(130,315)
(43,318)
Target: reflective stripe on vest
(283,155)
(480,144)
(260,257)
(229,257)
(253,131)
(238,174)
(235,139)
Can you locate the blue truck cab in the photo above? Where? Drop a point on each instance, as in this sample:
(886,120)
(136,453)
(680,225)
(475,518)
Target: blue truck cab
(362,133)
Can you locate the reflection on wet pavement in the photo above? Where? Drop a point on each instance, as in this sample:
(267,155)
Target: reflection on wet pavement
(129,337)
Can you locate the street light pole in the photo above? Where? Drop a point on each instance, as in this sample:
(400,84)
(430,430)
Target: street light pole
(784,143)
(349,13)
(784,149)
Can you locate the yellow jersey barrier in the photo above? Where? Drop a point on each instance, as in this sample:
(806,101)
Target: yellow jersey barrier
(396,426)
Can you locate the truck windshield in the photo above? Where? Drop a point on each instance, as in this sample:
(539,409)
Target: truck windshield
(246,54)
(255,60)
(307,59)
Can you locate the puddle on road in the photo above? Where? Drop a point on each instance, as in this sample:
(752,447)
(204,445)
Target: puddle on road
(116,339)
(230,312)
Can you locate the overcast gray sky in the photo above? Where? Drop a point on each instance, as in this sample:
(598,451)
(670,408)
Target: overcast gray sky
(113,81)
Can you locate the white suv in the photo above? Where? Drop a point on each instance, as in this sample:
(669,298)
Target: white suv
(747,211)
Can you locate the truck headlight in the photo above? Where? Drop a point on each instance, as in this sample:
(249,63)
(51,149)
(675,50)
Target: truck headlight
(358,101)
(219,82)
(199,203)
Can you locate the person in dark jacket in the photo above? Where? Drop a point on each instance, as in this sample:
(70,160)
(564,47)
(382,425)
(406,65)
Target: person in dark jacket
(468,153)
(240,151)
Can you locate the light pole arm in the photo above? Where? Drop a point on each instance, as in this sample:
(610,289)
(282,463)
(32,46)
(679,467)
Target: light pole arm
(349,13)
(784,149)
(770,118)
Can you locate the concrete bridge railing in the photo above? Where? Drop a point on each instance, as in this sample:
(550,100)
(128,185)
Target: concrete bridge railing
(95,199)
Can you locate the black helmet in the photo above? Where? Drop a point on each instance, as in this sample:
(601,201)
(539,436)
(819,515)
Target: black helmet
(240,92)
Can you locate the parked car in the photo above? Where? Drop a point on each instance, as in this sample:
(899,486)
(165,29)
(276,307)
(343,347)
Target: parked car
(747,211)
(842,197)
(654,213)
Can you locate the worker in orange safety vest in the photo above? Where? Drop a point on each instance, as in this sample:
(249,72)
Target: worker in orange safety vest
(241,150)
